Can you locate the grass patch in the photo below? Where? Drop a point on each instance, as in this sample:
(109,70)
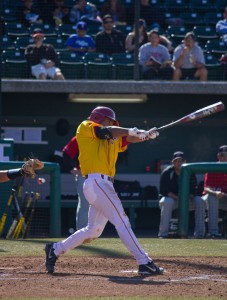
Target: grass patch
(113,247)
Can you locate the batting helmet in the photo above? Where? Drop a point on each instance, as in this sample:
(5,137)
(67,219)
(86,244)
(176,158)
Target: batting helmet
(100,112)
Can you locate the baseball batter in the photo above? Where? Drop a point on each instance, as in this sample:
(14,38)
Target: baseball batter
(100,139)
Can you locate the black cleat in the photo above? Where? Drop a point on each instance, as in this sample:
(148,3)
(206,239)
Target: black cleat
(150,269)
(50,258)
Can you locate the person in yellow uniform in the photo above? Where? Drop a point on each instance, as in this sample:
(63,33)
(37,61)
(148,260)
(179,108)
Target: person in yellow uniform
(100,139)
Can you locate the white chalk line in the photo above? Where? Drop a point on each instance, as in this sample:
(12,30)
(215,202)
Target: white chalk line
(12,276)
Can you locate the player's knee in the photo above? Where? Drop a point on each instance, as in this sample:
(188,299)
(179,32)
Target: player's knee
(93,232)
(166,202)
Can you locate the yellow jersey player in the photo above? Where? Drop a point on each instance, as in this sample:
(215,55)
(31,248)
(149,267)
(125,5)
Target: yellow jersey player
(100,139)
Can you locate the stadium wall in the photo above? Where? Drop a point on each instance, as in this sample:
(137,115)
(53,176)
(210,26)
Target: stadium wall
(32,103)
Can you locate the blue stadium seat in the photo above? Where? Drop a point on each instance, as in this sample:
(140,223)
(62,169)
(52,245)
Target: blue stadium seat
(65,30)
(202,6)
(98,66)
(48,30)
(214,67)
(123,65)
(14,65)
(7,43)
(71,65)
(14,30)
(22,42)
(57,42)
(216,47)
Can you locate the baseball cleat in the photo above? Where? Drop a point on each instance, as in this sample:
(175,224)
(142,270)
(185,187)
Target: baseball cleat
(150,269)
(50,258)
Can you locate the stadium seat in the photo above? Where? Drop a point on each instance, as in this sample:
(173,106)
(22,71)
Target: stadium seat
(211,18)
(57,42)
(175,6)
(71,65)
(214,67)
(191,18)
(48,30)
(205,32)
(22,42)
(9,14)
(14,64)
(7,43)
(220,5)
(123,65)
(216,47)
(14,30)
(93,28)
(202,6)
(176,33)
(98,66)
(65,30)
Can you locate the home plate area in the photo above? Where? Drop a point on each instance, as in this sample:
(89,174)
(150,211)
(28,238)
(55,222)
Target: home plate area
(95,276)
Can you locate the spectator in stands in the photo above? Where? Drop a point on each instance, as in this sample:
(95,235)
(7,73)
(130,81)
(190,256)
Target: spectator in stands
(109,40)
(215,194)
(155,58)
(130,39)
(169,197)
(42,58)
(84,11)
(188,60)
(221,27)
(151,13)
(81,43)
(116,9)
(27,14)
(71,164)
(59,14)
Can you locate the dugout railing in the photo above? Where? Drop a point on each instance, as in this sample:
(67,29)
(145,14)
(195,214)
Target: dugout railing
(185,173)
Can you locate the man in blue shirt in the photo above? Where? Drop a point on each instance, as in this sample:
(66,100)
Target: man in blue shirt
(80,42)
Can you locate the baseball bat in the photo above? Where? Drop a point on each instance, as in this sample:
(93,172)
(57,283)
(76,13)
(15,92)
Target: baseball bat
(30,218)
(21,221)
(198,114)
(18,216)
(4,216)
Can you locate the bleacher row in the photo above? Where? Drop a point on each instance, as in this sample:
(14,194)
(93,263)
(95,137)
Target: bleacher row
(173,7)
(198,15)
(101,66)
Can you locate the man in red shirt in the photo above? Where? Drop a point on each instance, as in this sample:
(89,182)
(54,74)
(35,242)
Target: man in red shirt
(215,193)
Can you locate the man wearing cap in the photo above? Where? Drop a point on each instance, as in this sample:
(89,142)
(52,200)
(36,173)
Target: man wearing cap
(169,187)
(42,58)
(215,194)
(81,42)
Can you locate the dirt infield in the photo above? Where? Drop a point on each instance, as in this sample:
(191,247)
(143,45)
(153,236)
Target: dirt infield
(88,276)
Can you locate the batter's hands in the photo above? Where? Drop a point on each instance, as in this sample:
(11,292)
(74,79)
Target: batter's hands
(141,134)
(152,133)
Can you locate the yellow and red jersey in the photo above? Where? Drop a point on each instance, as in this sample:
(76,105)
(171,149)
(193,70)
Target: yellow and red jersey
(97,155)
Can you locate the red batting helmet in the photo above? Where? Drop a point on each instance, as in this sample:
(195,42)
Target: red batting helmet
(100,112)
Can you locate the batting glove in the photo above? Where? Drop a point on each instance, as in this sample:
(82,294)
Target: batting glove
(152,133)
(141,134)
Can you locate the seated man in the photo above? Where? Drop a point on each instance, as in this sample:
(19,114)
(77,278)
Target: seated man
(215,194)
(42,58)
(155,58)
(169,198)
(188,60)
(81,43)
